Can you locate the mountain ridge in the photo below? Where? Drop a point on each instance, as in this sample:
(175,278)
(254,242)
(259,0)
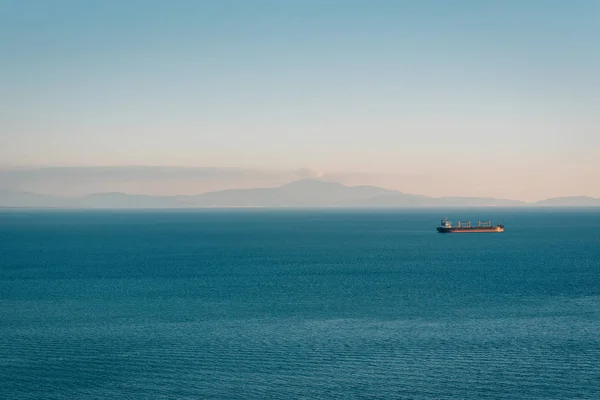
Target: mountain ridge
(299,193)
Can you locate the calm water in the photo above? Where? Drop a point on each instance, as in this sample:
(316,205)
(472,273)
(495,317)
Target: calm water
(298,304)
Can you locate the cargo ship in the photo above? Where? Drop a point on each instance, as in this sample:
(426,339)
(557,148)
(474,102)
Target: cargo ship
(447,227)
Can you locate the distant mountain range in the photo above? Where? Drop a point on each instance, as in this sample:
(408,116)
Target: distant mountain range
(301,193)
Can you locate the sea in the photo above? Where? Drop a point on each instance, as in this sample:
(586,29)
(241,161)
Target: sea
(299,304)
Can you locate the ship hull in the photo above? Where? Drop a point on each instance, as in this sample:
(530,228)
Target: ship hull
(455,229)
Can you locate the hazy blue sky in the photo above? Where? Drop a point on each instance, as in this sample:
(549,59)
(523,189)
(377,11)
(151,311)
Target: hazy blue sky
(491,94)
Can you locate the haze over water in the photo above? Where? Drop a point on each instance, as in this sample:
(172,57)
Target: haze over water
(315,304)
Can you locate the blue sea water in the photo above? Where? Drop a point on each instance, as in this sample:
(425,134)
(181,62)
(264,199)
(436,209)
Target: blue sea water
(298,304)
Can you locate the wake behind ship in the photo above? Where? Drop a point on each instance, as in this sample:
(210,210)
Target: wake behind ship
(447,227)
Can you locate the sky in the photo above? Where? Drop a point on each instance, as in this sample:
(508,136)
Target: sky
(495,98)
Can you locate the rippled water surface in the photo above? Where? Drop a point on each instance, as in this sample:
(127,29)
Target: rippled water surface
(298,304)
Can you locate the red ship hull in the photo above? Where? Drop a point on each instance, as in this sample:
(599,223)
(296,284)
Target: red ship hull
(473,229)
